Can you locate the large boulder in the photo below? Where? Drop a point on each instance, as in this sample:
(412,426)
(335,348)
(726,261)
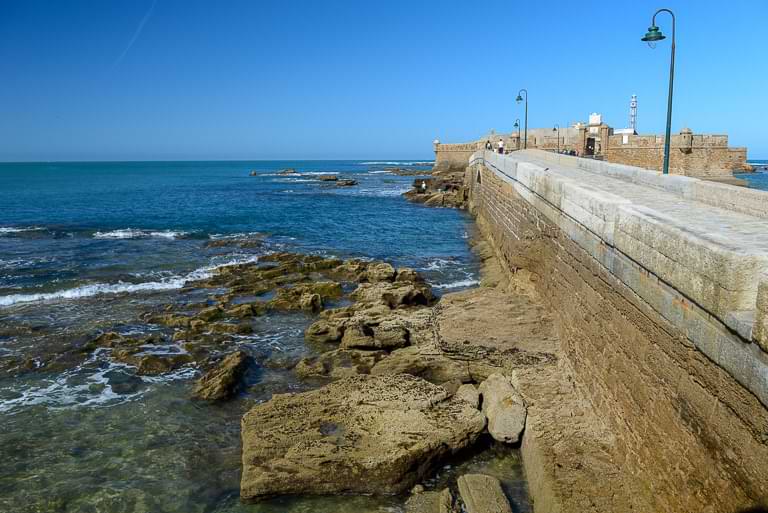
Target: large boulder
(483,494)
(504,407)
(362,434)
(223,380)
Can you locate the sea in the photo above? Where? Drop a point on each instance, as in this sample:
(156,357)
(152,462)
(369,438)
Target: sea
(88,247)
(759,178)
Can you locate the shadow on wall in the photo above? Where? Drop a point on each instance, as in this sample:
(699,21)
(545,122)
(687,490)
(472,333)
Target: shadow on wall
(754,509)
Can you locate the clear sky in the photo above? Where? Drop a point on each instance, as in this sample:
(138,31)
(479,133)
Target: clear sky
(251,79)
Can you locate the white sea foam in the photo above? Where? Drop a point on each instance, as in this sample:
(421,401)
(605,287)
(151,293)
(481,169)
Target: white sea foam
(5,230)
(457,284)
(133,233)
(438,264)
(83,291)
(83,386)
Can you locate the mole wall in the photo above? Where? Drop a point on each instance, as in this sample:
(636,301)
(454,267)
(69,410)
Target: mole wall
(684,393)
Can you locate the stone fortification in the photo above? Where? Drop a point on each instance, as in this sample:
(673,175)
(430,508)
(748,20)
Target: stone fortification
(690,155)
(698,155)
(657,288)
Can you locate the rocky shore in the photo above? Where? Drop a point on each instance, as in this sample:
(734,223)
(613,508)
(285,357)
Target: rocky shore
(444,188)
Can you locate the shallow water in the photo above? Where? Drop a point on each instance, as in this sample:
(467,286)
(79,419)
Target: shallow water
(86,248)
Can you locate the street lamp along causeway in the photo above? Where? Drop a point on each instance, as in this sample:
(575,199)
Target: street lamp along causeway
(518,100)
(653,35)
(557,128)
(517,125)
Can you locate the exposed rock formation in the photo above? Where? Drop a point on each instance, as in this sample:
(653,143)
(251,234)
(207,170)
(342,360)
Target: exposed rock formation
(431,502)
(469,393)
(362,434)
(337,364)
(444,189)
(504,407)
(223,380)
(483,494)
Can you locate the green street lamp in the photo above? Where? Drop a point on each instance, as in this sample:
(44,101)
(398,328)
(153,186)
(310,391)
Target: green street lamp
(517,125)
(518,100)
(557,128)
(653,35)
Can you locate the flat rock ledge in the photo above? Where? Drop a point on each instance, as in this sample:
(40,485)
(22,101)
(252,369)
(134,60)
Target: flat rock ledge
(361,434)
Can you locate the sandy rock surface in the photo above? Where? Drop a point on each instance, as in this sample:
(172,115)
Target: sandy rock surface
(364,434)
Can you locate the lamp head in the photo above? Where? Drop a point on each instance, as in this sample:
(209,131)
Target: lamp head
(516,125)
(653,35)
(519,98)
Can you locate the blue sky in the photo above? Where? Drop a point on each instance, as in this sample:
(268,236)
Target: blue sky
(187,79)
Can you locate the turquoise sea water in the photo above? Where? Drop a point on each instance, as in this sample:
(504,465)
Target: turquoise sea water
(88,247)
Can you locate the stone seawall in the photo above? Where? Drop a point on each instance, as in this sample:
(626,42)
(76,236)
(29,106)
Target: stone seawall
(683,392)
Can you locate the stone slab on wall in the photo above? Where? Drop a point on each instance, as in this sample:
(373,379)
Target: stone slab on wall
(695,437)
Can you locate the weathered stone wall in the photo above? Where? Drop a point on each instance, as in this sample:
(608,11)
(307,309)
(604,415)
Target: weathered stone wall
(692,435)
(690,154)
(455,154)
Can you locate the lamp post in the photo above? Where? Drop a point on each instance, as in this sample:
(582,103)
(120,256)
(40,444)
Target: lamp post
(518,100)
(653,35)
(557,127)
(517,125)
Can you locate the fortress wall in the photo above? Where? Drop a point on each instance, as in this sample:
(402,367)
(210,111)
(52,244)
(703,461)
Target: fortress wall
(692,155)
(455,154)
(684,394)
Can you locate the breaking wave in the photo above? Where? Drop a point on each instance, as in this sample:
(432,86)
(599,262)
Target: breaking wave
(5,230)
(83,291)
(458,284)
(132,233)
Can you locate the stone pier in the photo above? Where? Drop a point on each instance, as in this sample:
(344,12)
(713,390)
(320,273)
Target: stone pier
(659,290)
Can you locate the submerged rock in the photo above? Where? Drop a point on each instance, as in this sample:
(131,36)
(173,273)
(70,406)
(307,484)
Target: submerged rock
(327,178)
(222,381)
(504,407)
(361,434)
(346,182)
(483,494)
